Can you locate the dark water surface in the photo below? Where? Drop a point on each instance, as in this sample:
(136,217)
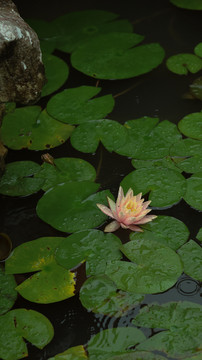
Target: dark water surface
(159,93)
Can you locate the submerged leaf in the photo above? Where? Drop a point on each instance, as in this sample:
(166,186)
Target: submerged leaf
(113,56)
(75,106)
(196,88)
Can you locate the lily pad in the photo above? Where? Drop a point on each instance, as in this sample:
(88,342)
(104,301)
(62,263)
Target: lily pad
(65,170)
(196,88)
(8,294)
(21,323)
(73,353)
(182,63)
(87,136)
(92,246)
(166,162)
(191,125)
(46,34)
(75,106)
(155,267)
(29,127)
(56,72)
(199,235)
(51,282)
(165,230)
(191,256)
(187,4)
(138,355)
(18,179)
(166,186)
(187,155)
(193,195)
(146,139)
(100,295)
(71,207)
(110,342)
(113,56)
(171,315)
(198,49)
(78,27)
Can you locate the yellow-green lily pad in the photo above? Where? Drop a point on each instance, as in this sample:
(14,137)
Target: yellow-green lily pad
(75,106)
(74,353)
(21,323)
(29,127)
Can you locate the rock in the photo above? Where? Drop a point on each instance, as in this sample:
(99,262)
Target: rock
(21,68)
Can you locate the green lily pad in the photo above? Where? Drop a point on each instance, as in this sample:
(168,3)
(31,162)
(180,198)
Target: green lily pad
(73,106)
(87,136)
(187,155)
(196,357)
(198,49)
(199,235)
(196,88)
(166,162)
(138,355)
(112,342)
(155,267)
(100,295)
(166,186)
(29,127)
(165,230)
(71,207)
(113,56)
(187,4)
(175,343)
(46,34)
(8,294)
(182,63)
(74,353)
(146,139)
(18,179)
(92,246)
(78,27)
(191,256)
(171,315)
(51,282)
(21,323)
(65,170)
(56,72)
(193,194)
(191,125)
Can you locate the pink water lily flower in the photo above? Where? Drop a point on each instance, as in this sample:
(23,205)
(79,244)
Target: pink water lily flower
(128,212)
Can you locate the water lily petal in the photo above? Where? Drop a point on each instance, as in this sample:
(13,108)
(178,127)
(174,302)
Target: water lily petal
(112,205)
(119,198)
(138,197)
(113,226)
(105,210)
(146,219)
(135,228)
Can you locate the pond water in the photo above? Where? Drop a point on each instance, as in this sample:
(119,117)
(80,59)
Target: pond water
(159,93)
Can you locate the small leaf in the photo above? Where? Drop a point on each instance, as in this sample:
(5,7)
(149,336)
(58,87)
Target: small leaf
(113,342)
(193,194)
(74,353)
(113,56)
(191,256)
(191,125)
(166,186)
(56,72)
(198,49)
(187,4)
(182,63)
(71,207)
(100,295)
(75,106)
(8,294)
(18,179)
(87,136)
(18,324)
(29,127)
(92,246)
(155,267)
(165,230)
(199,235)
(65,170)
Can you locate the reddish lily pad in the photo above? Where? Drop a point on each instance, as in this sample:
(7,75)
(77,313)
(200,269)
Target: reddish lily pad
(75,106)
(100,295)
(29,127)
(65,170)
(155,267)
(19,180)
(21,323)
(52,282)
(8,294)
